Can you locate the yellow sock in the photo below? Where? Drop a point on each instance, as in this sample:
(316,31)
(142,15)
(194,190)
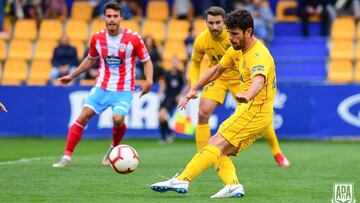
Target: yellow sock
(201,161)
(202,135)
(272,140)
(226,170)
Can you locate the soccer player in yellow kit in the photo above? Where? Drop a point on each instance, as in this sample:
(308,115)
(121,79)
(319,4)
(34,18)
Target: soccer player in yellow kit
(213,42)
(252,117)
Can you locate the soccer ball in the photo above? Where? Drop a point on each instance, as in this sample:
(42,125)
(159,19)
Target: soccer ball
(124,159)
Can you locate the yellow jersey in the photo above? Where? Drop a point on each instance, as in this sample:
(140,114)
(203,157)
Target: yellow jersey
(214,49)
(256,60)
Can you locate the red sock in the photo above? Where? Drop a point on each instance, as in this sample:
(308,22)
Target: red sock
(118,134)
(74,136)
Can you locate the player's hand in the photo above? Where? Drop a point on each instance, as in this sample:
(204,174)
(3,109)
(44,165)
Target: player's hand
(2,107)
(192,94)
(65,81)
(241,98)
(145,88)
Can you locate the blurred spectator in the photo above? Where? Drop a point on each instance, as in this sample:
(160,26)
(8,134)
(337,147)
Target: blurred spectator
(318,8)
(64,59)
(189,42)
(128,12)
(171,87)
(155,57)
(263,19)
(348,7)
(130,8)
(2,16)
(55,8)
(240,4)
(93,72)
(182,8)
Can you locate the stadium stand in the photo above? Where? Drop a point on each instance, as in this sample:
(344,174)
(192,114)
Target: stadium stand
(81,10)
(50,29)
(96,25)
(2,50)
(305,60)
(357,72)
(157,10)
(177,29)
(44,49)
(340,71)
(77,30)
(25,29)
(39,72)
(132,25)
(20,49)
(15,72)
(154,28)
(343,29)
(199,25)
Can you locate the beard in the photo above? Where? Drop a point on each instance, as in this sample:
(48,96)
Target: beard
(215,33)
(239,46)
(112,26)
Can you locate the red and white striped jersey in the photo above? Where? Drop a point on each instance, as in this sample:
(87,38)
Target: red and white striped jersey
(117,59)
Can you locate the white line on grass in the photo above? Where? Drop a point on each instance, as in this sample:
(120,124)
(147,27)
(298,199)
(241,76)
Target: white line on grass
(27,160)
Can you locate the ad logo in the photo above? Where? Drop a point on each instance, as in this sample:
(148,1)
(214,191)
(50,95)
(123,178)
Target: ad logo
(343,193)
(345,113)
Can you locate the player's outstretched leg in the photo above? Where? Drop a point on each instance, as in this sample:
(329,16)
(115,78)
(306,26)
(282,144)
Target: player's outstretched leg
(74,136)
(201,161)
(118,134)
(179,186)
(226,171)
(273,143)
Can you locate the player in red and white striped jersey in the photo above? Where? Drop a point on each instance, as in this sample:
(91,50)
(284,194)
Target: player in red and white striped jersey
(117,48)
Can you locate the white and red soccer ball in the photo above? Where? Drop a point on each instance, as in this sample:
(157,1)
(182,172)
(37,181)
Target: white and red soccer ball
(124,159)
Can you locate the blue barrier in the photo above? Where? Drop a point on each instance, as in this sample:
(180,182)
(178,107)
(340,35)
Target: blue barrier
(302,111)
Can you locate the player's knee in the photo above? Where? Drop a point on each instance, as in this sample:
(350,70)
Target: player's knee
(203,116)
(118,119)
(163,115)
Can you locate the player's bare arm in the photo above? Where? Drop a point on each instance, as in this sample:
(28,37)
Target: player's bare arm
(2,107)
(212,74)
(85,65)
(148,72)
(256,85)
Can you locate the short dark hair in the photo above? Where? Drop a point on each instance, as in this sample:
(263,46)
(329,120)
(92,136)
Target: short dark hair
(215,11)
(239,19)
(113,5)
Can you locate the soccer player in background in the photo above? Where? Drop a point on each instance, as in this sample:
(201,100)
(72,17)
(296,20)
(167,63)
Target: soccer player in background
(117,48)
(252,117)
(171,86)
(213,42)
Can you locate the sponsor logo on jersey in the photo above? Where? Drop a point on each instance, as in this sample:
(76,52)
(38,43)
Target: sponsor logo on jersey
(113,61)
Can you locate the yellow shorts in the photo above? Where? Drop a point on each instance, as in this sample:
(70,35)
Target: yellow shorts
(243,127)
(217,89)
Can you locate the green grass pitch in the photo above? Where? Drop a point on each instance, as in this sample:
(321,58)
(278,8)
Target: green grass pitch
(316,166)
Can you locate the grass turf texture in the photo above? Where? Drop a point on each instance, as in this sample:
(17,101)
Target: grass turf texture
(315,167)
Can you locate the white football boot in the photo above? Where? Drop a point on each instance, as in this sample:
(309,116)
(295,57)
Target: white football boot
(106,161)
(64,162)
(230,191)
(173,184)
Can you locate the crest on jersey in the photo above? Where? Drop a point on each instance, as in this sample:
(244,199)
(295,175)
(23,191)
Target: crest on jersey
(122,47)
